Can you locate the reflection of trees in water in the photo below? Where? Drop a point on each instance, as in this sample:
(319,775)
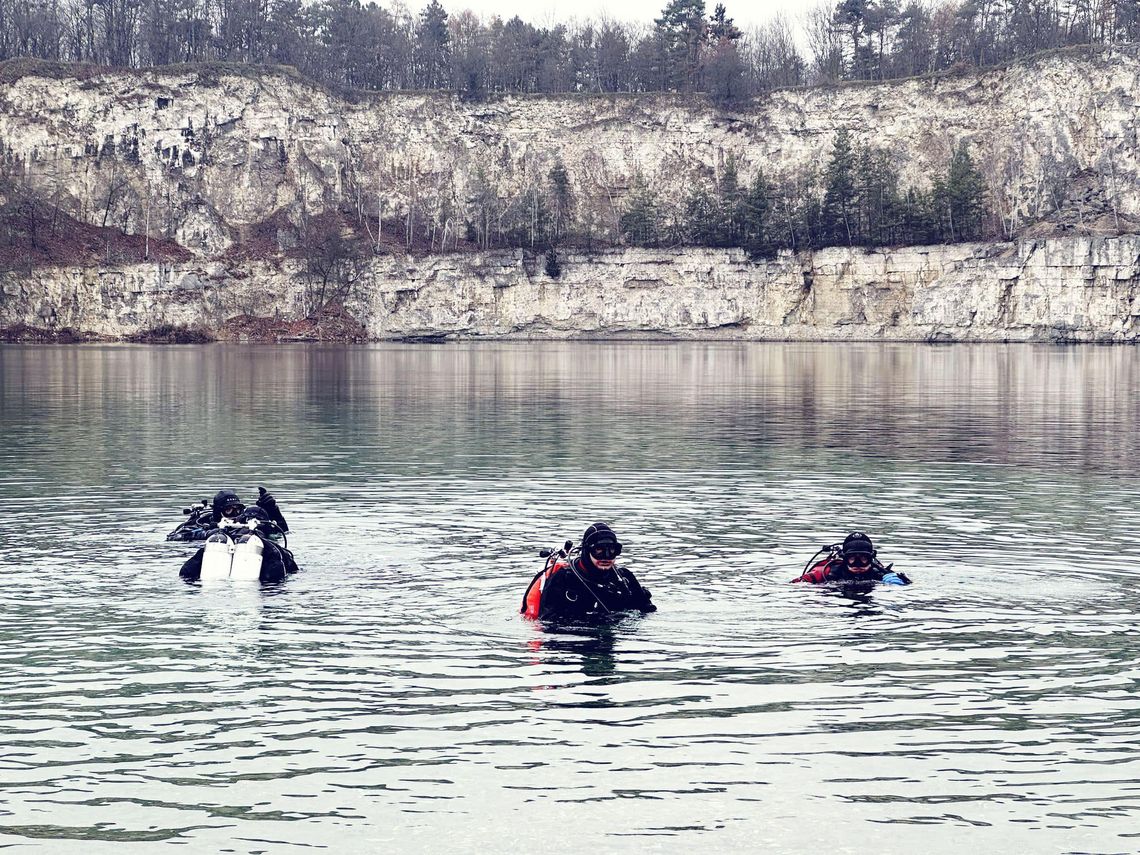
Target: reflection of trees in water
(971,403)
(633,404)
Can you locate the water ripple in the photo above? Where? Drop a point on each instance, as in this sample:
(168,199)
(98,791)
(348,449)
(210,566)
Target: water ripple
(389,696)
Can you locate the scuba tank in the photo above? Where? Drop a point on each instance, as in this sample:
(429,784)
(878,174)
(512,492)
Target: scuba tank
(247,558)
(225,558)
(533,594)
(217,556)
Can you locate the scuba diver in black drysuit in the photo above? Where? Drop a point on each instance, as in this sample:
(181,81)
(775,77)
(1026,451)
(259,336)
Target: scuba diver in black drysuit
(228,513)
(585,585)
(204,519)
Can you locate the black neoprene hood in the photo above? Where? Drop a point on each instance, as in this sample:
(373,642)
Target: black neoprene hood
(858,543)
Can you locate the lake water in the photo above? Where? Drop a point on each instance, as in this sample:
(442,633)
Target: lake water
(390,698)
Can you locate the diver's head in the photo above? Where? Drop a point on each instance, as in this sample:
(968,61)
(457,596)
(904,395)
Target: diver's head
(600,547)
(857,552)
(227,504)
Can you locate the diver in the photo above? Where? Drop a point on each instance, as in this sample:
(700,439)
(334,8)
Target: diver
(226,505)
(854,560)
(251,526)
(585,584)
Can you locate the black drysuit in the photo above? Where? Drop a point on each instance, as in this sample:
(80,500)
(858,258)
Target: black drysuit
(579,592)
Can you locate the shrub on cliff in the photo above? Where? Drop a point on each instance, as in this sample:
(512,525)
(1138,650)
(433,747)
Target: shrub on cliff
(553,264)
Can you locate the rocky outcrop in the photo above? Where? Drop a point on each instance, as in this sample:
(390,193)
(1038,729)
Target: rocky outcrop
(229,170)
(1070,289)
(201,156)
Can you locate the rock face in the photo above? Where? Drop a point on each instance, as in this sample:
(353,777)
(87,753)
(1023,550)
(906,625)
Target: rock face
(201,156)
(1070,289)
(233,165)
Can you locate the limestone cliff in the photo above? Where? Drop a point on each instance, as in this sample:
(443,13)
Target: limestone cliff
(1071,289)
(202,155)
(229,167)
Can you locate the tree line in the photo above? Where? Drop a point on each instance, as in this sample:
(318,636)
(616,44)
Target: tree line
(347,43)
(856,200)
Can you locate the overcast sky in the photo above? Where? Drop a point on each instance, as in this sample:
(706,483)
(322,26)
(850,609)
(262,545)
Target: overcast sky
(746,13)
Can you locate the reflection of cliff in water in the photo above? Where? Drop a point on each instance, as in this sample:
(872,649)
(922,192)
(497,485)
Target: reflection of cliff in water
(1035,405)
(493,406)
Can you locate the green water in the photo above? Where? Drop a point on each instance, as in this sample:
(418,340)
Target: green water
(390,697)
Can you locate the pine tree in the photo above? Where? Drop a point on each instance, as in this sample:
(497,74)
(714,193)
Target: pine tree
(639,222)
(919,223)
(731,199)
(681,31)
(964,191)
(433,47)
(755,208)
(562,199)
(703,218)
(879,203)
(722,27)
(838,215)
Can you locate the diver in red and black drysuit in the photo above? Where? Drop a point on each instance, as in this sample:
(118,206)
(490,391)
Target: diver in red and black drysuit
(586,585)
(852,561)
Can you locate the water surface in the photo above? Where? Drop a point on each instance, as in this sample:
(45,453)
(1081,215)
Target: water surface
(390,697)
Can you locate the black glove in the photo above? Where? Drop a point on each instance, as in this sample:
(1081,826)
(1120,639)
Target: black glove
(266,501)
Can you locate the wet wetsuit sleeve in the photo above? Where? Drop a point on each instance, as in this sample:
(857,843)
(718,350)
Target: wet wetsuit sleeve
(817,574)
(272,563)
(641,595)
(290,562)
(279,518)
(266,502)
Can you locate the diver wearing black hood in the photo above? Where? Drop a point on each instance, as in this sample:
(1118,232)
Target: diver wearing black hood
(277,562)
(227,504)
(206,517)
(586,585)
(229,512)
(853,561)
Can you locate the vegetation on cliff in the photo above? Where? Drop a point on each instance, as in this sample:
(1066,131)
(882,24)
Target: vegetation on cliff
(229,160)
(346,43)
(856,200)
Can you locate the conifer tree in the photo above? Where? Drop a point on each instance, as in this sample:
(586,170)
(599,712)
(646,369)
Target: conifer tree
(755,209)
(879,203)
(433,47)
(562,199)
(640,220)
(731,199)
(681,33)
(722,27)
(838,213)
(703,218)
(964,191)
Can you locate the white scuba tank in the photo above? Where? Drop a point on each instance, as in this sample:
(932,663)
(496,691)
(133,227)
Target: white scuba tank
(225,558)
(247,559)
(217,557)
